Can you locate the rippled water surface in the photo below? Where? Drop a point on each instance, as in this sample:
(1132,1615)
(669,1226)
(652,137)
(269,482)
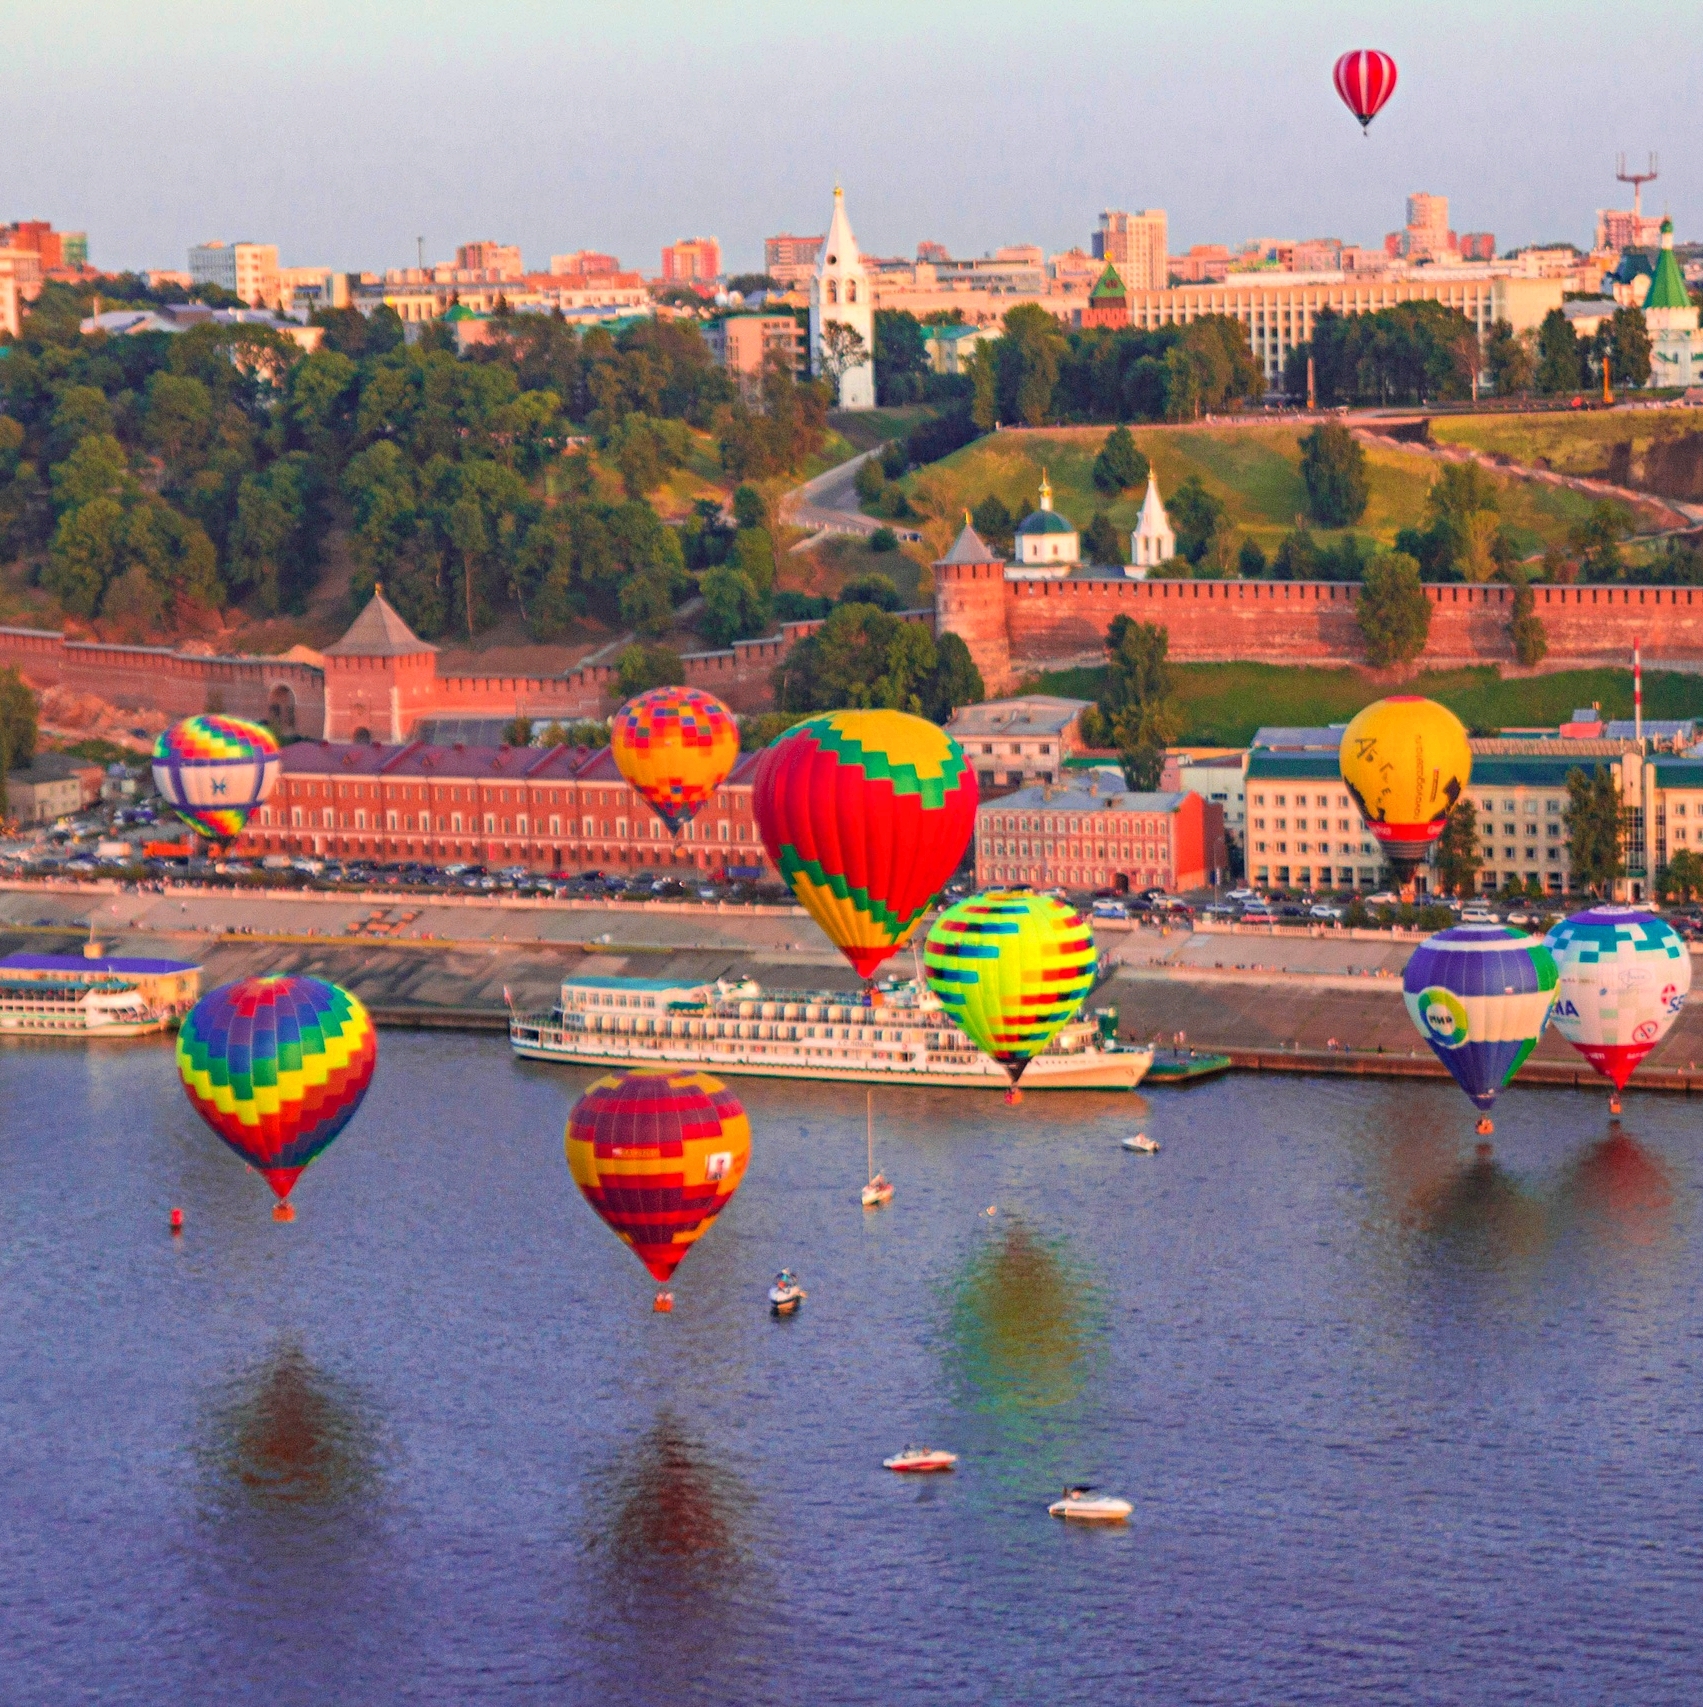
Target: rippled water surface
(1400,1421)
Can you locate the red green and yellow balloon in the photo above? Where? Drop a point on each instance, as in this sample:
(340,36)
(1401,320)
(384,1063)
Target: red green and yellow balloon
(277,1066)
(1406,761)
(215,770)
(658,1155)
(867,814)
(676,746)
(1011,968)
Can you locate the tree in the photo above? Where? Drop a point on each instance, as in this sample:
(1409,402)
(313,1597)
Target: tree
(517,732)
(1136,701)
(841,349)
(17,727)
(750,508)
(1594,819)
(1026,360)
(1120,464)
(1682,876)
(1508,358)
(1104,542)
(1627,347)
(1560,367)
(1250,560)
(1456,862)
(1393,612)
(734,607)
(1297,556)
(994,522)
(984,388)
(901,357)
(1333,465)
(957,681)
(1197,517)
(873,589)
(641,667)
(1525,628)
(883,539)
(1596,541)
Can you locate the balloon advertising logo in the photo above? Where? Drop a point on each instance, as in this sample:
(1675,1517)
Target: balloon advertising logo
(1444,1018)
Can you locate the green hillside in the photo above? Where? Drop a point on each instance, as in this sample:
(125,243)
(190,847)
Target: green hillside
(1226,703)
(1255,471)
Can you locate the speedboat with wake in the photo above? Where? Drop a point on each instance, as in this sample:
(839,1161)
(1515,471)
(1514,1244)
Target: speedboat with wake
(920,1461)
(1083,1505)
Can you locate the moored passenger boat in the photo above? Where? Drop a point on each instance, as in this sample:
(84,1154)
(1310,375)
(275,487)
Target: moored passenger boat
(897,1033)
(57,995)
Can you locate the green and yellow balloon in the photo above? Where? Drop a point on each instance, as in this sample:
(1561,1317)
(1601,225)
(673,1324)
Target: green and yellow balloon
(1011,968)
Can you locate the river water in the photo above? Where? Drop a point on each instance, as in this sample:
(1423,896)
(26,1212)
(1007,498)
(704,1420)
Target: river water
(1401,1422)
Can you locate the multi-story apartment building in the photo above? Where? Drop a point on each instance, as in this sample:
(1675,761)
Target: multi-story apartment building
(1135,244)
(55,249)
(499,260)
(742,343)
(249,270)
(692,260)
(587,262)
(792,260)
(1093,833)
(548,809)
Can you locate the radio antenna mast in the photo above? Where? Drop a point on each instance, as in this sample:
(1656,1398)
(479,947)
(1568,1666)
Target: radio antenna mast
(1637,180)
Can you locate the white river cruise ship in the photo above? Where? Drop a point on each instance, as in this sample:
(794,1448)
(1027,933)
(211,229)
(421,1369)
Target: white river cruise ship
(899,1035)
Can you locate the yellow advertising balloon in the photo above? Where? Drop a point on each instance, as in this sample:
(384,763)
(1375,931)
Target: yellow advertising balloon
(1406,761)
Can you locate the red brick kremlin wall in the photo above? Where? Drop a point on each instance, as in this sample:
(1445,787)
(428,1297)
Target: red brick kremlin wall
(1038,623)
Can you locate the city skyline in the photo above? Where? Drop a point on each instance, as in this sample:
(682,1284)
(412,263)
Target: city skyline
(343,136)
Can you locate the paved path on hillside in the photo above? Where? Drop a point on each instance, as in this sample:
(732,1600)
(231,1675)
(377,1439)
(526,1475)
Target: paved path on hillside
(830,502)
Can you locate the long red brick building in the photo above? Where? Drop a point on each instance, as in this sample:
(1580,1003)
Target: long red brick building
(549,809)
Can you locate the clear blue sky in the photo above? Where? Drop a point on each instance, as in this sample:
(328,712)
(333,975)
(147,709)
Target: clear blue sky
(342,130)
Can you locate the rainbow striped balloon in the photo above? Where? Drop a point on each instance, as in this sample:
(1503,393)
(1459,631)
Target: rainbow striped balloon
(215,770)
(658,1156)
(676,747)
(277,1067)
(866,813)
(1011,968)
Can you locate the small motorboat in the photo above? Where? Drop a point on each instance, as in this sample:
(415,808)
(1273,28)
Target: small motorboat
(1083,1505)
(1139,1141)
(920,1461)
(786,1294)
(878,1191)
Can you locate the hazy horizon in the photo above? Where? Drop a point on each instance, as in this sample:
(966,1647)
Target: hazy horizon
(342,133)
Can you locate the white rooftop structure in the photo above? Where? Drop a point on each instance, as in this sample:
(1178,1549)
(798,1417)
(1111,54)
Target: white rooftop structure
(1154,541)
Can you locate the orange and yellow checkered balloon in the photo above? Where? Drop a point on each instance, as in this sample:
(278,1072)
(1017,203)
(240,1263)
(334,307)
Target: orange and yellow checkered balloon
(675,746)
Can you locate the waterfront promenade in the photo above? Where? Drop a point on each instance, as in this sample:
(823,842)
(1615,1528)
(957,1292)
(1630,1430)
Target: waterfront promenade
(1276,1000)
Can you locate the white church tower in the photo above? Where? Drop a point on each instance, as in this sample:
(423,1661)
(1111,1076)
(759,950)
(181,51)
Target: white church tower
(840,295)
(1153,542)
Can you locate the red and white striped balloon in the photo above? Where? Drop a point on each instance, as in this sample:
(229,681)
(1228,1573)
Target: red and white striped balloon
(1365,79)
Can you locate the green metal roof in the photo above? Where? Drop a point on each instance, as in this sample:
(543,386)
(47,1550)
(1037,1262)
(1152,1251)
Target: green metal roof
(1514,770)
(1667,289)
(1679,773)
(1292,767)
(1045,521)
(1110,287)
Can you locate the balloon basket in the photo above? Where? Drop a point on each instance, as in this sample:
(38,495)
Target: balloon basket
(664,1303)
(1614,1103)
(1485,1126)
(283,1212)
(1013,1097)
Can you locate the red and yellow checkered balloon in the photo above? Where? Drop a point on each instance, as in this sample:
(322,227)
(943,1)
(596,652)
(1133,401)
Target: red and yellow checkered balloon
(675,746)
(658,1155)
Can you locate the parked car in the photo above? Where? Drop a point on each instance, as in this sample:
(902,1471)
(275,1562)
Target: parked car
(1324,910)
(1244,895)
(1110,910)
(1383,898)
(1478,916)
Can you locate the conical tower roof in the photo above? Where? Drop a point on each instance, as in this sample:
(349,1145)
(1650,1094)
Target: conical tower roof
(1153,519)
(378,632)
(1110,287)
(839,248)
(1667,288)
(970,547)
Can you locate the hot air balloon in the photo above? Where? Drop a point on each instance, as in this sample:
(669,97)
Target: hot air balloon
(1406,761)
(866,813)
(277,1066)
(658,1155)
(1480,996)
(1011,968)
(214,770)
(1365,79)
(675,746)
(1625,975)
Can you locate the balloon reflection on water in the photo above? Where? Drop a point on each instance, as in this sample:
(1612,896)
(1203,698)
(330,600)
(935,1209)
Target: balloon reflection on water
(1621,1193)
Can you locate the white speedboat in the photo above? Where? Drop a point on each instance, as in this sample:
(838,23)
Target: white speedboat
(920,1461)
(786,1294)
(1141,1143)
(1083,1505)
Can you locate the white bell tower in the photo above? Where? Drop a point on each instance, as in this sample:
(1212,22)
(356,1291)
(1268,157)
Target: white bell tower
(840,295)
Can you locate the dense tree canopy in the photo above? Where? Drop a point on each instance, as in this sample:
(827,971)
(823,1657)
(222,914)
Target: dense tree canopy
(863,656)
(1415,352)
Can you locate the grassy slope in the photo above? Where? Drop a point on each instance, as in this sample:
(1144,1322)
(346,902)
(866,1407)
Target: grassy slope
(1571,444)
(1228,702)
(836,561)
(1255,471)
(864,429)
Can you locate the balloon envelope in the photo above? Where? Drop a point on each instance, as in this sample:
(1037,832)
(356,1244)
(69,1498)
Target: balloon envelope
(1625,975)
(675,746)
(215,770)
(1011,968)
(866,813)
(1480,996)
(1365,79)
(1406,761)
(658,1156)
(277,1067)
